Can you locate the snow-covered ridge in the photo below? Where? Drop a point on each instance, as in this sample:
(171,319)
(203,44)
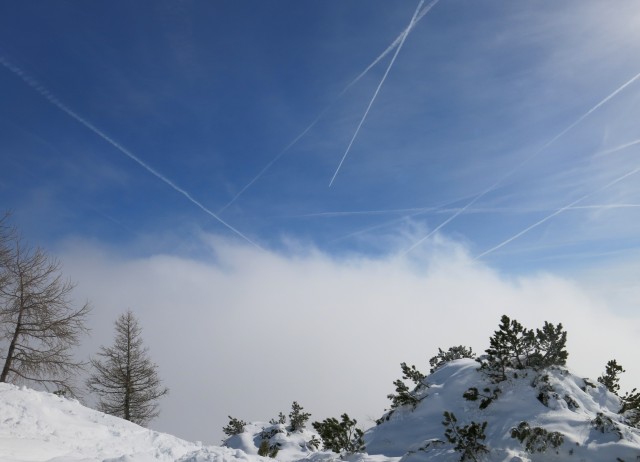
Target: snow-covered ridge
(37,426)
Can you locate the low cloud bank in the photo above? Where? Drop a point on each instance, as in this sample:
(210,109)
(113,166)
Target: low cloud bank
(246,332)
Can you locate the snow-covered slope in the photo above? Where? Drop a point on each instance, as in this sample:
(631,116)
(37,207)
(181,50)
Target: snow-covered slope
(37,426)
(572,408)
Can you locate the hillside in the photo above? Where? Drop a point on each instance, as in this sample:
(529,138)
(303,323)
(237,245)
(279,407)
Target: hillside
(572,408)
(37,426)
(518,403)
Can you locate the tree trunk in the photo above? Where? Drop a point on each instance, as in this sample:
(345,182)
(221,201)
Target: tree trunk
(12,346)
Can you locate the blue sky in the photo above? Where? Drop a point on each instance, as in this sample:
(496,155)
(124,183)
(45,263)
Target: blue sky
(493,117)
(208,94)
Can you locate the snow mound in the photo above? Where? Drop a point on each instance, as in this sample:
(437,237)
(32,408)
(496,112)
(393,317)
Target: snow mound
(38,427)
(585,413)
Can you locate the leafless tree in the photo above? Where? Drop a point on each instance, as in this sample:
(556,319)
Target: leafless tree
(39,324)
(124,377)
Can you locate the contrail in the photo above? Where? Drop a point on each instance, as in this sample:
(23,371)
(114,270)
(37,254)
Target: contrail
(365,212)
(557,212)
(375,94)
(57,103)
(389,49)
(276,158)
(527,159)
(617,148)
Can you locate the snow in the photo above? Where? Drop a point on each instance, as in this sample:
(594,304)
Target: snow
(39,427)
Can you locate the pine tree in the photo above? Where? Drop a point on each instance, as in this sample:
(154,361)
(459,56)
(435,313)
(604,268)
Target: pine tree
(467,439)
(298,418)
(611,377)
(404,395)
(338,436)
(453,353)
(550,347)
(125,378)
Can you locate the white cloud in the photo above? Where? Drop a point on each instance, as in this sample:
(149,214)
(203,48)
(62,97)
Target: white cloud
(246,331)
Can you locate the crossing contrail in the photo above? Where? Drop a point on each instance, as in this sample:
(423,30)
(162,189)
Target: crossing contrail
(375,94)
(391,47)
(277,157)
(44,92)
(527,159)
(557,212)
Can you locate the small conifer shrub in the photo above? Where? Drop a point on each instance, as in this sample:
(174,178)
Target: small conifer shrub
(453,353)
(604,424)
(467,439)
(234,427)
(297,418)
(486,397)
(513,346)
(268,450)
(282,419)
(536,439)
(404,395)
(611,376)
(631,407)
(340,436)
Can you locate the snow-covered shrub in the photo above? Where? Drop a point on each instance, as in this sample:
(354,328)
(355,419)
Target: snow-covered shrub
(282,419)
(340,436)
(545,390)
(536,439)
(268,450)
(313,443)
(234,427)
(453,353)
(297,418)
(631,408)
(571,403)
(270,432)
(404,395)
(467,439)
(604,424)
(487,396)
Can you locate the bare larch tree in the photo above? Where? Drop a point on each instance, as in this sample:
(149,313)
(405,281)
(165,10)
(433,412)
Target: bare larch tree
(124,378)
(39,323)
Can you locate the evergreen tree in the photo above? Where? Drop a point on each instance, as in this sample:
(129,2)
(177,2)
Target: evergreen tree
(631,407)
(508,347)
(550,347)
(297,418)
(339,436)
(124,378)
(513,346)
(234,427)
(611,376)
(453,353)
(467,439)
(404,395)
